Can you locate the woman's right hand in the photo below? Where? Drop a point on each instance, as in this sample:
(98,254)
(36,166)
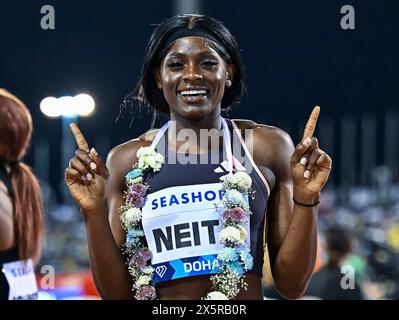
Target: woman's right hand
(86,174)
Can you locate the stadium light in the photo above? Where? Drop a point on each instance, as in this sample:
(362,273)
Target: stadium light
(80,105)
(69,109)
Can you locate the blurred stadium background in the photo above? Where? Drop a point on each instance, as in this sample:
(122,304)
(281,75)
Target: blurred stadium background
(296,56)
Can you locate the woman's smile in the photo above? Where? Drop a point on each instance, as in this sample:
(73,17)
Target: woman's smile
(193,96)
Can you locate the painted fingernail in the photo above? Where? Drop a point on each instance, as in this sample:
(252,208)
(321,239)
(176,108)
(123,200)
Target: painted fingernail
(94,151)
(303,161)
(89,176)
(306,141)
(93,166)
(306,174)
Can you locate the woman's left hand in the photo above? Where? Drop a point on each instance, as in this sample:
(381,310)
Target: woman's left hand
(310,166)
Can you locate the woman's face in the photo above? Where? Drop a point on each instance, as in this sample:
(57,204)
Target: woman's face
(193,78)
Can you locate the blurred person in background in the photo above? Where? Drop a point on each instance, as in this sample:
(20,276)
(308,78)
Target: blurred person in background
(21,220)
(327,282)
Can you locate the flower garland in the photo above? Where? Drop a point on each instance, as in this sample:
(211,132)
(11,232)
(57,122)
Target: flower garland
(233,259)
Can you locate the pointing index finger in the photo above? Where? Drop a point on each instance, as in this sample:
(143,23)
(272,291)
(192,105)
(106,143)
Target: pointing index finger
(80,139)
(311,124)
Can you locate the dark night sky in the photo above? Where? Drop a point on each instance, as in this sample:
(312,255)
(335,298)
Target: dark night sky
(295,54)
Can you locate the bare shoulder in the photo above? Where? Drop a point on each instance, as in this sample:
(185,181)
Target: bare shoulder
(271,145)
(273,136)
(122,157)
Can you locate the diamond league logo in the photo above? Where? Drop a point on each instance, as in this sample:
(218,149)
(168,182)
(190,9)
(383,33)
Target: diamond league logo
(161,270)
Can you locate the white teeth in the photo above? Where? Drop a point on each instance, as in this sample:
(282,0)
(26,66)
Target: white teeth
(192,92)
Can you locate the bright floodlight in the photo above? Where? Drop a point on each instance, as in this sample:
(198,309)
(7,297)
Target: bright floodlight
(67,106)
(49,107)
(80,105)
(85,104)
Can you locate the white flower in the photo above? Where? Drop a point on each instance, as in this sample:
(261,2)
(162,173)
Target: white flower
(131,216)
(243,234)
(159,160)
(239,180)
(136,180)
(242,180)
(234,197)
(149,158)
(155,162)
(233,234)
(143,162)
(216,295)
(148,270)
(145,151)
(143,280)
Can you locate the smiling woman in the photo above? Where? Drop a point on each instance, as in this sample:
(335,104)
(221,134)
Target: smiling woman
(205,73)
(162,239)
(167,51)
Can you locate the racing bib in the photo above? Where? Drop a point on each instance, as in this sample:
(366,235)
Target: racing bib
(21,279)
(181,225)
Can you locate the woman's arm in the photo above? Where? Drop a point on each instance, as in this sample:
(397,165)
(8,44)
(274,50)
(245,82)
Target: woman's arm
(106,237)
(108,263)
(110,274)
(7,237)
(292,228)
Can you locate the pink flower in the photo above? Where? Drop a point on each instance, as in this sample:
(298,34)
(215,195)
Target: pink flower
(139,188)
(136,195)
(146,254)
(235,214)
(136,199)
(137,262)
(146,293)
(139,258)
